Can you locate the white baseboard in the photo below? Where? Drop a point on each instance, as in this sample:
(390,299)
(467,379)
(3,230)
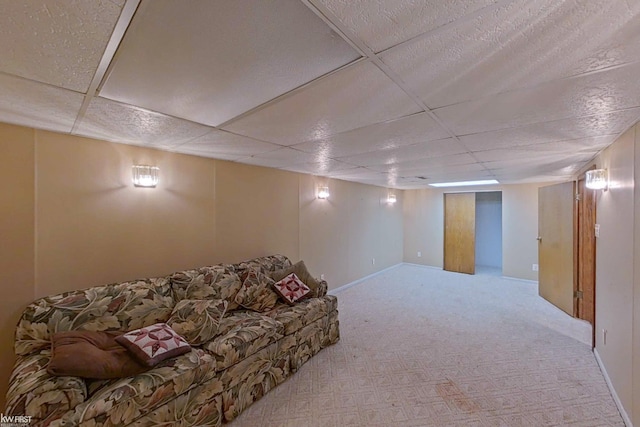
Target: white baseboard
(421,265)
(362,279)
(616,399)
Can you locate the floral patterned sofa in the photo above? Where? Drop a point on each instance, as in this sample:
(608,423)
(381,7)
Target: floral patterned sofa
(252,352)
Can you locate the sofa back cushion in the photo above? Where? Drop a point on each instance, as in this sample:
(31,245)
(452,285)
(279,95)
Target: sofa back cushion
(117,307)
(214,282)
(266,264)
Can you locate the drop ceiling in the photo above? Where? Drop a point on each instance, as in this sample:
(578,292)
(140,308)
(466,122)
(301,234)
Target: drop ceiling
(395,93)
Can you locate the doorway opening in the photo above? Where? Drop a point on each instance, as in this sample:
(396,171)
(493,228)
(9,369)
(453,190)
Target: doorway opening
(488,246)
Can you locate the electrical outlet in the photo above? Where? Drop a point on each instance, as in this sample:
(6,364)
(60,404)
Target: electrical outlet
(322,277)
(419,254)
(373,261)
(535,267)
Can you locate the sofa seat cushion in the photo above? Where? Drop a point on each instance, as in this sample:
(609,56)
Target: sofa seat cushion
(120,402)
(297,316)
(242,333)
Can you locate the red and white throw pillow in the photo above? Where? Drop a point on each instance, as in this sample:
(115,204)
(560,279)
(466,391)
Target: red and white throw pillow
(291,289)
(153,344)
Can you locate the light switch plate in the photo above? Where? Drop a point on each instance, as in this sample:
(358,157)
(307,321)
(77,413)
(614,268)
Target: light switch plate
(597,230)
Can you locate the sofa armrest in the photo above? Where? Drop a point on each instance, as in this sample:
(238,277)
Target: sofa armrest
(44,397)
(322,288)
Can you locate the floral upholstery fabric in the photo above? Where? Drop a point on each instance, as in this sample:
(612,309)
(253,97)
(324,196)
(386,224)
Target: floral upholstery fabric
(198,320)
(265,264)
(215,282)
(124,306)
(252,333)
(306,311)
(257,292)
(252,353)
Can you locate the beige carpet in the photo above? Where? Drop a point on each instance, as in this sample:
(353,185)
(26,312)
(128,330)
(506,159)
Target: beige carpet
(423,347)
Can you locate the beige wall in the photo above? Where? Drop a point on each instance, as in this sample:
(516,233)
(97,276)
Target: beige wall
(424,227)
(71,218)
(16,237)
(616,280)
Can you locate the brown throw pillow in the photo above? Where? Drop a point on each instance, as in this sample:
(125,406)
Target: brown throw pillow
(91,354)
(256,292)
(153,344)
(300,269)
(197,320)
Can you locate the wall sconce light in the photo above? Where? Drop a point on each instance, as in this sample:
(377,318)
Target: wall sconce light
(597,179)
(391,199)
(145,176)
(323,192)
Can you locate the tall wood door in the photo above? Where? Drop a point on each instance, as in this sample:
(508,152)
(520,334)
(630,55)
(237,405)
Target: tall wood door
(460,232)
(555,245)
(585,307)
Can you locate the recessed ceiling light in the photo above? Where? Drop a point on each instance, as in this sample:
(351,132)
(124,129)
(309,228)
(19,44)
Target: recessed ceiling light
(465,183)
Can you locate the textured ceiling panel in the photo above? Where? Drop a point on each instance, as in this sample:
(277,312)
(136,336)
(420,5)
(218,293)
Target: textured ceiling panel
(611,124)
(225,145)
(113,121)
(435,162)
(281,158)
(381,24)
(443,147)
(597,93)
(327,167)
(221,58)
(530,43)
(532,90)
(37,105)
(356,96)
(380,136)
(55,42)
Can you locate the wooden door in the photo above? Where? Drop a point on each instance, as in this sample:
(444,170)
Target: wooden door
(460,232)
(584,304)
(555,245)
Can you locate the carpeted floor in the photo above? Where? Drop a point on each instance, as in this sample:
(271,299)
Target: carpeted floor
(424,347)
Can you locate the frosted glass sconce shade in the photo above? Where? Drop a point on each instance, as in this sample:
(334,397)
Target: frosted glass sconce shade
(323,192)
(597,179)
(145,176)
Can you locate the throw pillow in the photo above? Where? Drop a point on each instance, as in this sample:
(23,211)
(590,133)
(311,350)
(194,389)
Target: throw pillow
(91,354)
(300,269)
(291,289)
(256,292)
(197,320)
(153,344)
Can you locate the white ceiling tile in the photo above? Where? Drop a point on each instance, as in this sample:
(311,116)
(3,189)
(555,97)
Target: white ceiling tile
(356,96)
(55,42)
(28,103)
(611,124)
(113,121)
(280,158)
(224,145)
(423,150)
(325,168)
(380,136)
(221,58)
(384,23)
(444,161)
(597,93)
(521,44)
